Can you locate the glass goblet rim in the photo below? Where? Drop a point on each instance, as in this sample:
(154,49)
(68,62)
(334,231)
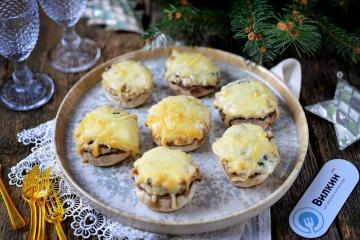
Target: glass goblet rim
(33,6)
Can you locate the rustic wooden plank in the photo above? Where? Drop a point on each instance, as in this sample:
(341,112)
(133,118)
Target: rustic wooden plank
(319,84)
(324,139)
(281,210)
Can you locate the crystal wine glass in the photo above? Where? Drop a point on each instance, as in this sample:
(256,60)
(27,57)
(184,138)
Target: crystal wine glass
(19,31)
(72,54)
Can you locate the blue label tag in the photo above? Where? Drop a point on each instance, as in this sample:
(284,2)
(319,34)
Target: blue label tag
(322,201)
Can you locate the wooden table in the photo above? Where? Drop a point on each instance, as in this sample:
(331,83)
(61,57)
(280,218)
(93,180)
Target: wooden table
(319,84)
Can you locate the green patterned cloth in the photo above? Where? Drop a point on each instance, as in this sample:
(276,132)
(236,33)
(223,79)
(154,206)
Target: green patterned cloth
(116,15)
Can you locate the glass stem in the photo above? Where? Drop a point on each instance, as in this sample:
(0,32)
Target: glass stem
(22,75)
(70,38)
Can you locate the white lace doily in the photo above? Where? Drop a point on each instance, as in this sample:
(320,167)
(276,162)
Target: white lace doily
(86,222)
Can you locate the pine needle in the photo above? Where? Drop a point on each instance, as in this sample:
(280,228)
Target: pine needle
(338,40)
(261,33)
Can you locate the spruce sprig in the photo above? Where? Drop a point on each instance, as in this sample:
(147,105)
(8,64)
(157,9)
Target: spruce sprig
(294,30)
(189,24)
(249,22)
(262,32)
(338,40)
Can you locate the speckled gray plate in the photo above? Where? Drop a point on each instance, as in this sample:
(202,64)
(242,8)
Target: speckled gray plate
(216,204)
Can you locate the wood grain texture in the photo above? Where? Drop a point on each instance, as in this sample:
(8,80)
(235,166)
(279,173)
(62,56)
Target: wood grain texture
(319,84)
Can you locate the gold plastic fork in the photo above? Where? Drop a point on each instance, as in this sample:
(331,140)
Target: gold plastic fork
(28,194)
(17,221)
(55,212)
(41,193)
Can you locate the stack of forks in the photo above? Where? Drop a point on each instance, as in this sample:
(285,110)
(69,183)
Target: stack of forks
(44,202)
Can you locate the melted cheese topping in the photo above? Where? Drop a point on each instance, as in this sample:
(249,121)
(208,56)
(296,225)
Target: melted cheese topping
(246,99)
(108,126)
(128,76)
(165,168)
(192,69)
(241,148)
(179,120)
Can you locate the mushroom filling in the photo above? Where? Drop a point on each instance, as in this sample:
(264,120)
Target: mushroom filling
(181,142)
(193,87)
(103,149)
(259,169)
(126,93)
(162,192)
(269,118)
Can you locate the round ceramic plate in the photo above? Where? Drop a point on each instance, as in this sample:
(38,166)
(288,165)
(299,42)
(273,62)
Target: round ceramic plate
(217,204)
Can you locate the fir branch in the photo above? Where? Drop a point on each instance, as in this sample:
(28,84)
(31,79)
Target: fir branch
(249,22)
(306,7)
(294,30)
(258,53)
(248,16)
(262,33)
(190,24)
(338,40)
(343,5)
(191,19)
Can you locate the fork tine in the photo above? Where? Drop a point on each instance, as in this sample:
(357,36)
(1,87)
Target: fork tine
(59,204)
(47,209)
(54,202)
(47,181)
(43,182)
(30,179)
(39,181)
(29,174)
(51,202)
(51,196)
(47,172)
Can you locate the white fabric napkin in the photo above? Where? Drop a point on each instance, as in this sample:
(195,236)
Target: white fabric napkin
(289,70)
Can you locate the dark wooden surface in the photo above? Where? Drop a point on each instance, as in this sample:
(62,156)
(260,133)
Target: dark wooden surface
(319,83)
